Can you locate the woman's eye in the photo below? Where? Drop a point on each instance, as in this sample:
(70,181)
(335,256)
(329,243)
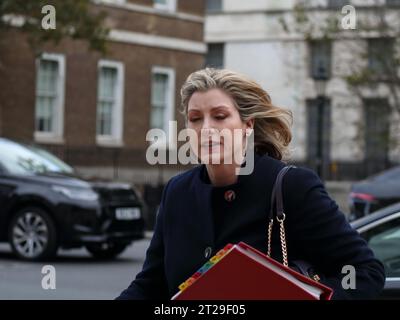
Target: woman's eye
(194,119)
(220,116)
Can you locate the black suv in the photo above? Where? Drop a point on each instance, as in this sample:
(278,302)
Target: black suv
(44,206)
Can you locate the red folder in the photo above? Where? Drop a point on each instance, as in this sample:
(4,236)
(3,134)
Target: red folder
(240,272)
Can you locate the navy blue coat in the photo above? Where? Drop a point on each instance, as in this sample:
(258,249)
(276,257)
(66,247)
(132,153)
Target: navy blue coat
(184,237)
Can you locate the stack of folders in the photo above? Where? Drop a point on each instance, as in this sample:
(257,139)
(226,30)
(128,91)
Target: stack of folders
(240,272)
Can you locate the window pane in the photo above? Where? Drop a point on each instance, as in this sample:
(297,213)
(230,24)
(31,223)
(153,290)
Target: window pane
(107,83)
(47,77)
(376,135)
(213,5)
(384,240)
(159,96)
(320,59)
(337,3)
(215,55)
(157,117)
(162,2)
(380,55)
(393,2)
(44,114)
(169,5)
(318,135)
(159,92)
(104,118)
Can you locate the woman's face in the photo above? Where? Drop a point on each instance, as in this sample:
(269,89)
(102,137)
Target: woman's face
(214,117)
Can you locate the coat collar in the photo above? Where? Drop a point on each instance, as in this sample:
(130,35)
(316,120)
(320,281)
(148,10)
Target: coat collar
(203,178)
(202,188)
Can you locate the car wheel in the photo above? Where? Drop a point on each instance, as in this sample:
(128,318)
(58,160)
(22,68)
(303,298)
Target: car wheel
(32,234)
(106,250)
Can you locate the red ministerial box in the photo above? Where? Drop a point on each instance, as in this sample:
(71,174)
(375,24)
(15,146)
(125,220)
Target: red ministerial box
(240,272)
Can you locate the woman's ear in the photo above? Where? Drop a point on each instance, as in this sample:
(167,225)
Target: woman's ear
(250,124)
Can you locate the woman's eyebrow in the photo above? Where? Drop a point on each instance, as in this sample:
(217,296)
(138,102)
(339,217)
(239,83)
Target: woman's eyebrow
(219,107)
(193,110)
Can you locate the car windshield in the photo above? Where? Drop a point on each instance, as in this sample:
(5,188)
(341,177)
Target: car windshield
(19,159)
(390,174)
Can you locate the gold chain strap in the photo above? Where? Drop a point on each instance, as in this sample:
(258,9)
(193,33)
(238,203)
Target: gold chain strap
(282,237)
(283,240)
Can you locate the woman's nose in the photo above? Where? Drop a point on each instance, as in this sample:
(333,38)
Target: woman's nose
(208,124)
(209,131)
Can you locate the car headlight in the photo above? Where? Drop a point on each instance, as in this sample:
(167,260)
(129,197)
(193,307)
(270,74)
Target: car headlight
(77,193)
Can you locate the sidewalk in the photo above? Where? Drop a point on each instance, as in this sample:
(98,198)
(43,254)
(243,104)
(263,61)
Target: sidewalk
(148,234)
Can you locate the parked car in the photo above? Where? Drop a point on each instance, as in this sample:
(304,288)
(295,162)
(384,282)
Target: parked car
(375,192)
(381,230)
(45,205)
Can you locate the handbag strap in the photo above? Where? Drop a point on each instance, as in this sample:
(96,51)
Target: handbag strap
(276,195)
(277,201)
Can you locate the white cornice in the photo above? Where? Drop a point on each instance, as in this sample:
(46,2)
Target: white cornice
(150,10)
(157,41)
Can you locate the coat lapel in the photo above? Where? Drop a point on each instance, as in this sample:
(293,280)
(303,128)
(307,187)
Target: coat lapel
(202,208)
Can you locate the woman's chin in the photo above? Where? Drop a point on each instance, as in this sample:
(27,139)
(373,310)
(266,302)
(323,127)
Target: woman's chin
(215,157)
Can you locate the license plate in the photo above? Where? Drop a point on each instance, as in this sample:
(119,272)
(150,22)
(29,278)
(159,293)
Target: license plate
(127,213)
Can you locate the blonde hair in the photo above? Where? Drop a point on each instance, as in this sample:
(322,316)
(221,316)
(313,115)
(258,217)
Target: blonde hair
(272,133)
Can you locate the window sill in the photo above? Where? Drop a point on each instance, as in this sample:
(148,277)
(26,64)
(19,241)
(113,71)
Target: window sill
(48,138)
(109,142)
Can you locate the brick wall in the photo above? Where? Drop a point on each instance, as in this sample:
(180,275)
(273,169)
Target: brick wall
(17,91)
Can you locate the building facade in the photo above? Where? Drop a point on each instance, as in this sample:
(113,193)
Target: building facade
(95,110)
(334,131)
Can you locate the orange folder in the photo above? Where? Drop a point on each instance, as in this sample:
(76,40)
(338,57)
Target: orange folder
(240,272)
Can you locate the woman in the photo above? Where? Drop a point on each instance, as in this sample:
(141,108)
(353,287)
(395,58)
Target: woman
(211,205)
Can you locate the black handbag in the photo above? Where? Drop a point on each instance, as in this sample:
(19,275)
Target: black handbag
(300,266)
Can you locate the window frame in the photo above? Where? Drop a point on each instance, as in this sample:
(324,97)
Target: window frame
(170,6)
(170,103)
(56,135)
(116,137)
